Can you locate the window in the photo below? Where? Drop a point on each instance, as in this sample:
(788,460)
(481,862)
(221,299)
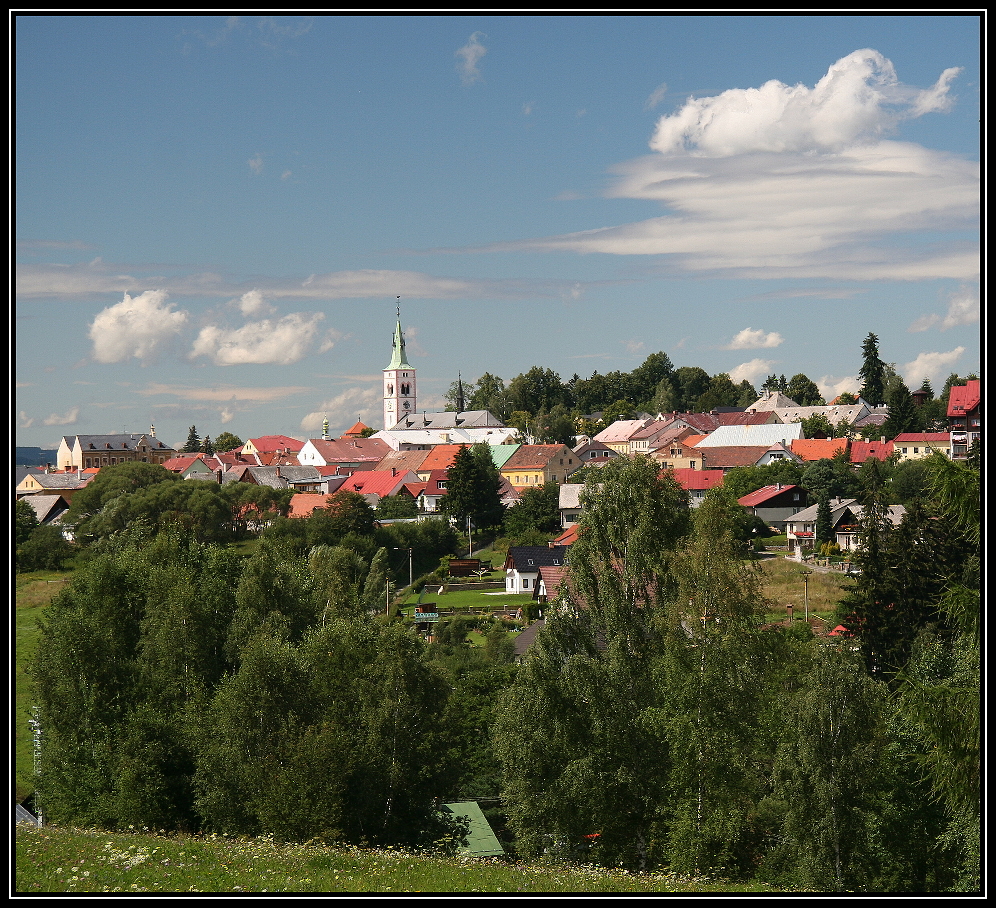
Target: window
(525,583)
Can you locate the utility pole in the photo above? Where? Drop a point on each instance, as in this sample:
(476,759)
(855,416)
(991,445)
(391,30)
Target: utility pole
(805,580)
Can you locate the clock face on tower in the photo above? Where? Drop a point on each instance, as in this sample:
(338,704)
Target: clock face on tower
(407,405)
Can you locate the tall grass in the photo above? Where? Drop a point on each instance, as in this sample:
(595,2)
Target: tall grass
(53,859)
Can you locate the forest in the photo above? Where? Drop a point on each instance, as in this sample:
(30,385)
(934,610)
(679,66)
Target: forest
(190,681)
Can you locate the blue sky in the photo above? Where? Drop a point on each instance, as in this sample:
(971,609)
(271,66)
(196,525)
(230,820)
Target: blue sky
(214,216)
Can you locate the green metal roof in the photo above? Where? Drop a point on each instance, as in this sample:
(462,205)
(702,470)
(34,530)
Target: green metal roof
(398,358)
(481,839)
(501,453)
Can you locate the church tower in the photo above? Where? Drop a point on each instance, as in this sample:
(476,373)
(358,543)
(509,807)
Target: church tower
(399,381)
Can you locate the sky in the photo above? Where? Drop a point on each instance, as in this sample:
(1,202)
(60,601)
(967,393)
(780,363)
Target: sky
(215,217)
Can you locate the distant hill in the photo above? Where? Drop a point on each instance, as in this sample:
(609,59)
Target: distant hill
(34,457)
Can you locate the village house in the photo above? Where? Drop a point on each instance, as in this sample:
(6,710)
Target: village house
(570,503)
(845,522)
(914,445)
(812,449)
(349,455)
(697,483)
(532,465)
(87,451)
(523,562)
(66,483)
(860,451)
(965,417)
(776,504)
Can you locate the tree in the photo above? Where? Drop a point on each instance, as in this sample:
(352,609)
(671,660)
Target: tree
(395,507)
(903,413)
(25,521)
(489,394)
(472,485)
(45,549)
(208,446)
(824,521)
(538,389)
(347,512)
(226,442)
(193,443)
(538,510)
(829,478)
(872,372)
(804,391)
(692,383)
(721,392)
(646,378)
(459,391)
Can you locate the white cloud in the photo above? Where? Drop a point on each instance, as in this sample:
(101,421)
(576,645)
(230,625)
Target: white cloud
(136,327)
(286,175)
(256,164)
(754,369)
(527,108)
(751,339)
(230,394)
(858,101)
(634,346)
(344,409)
(252,303)
(655,97)
(25,421)
(66,419)
(930,365)
(468,57)
(280,342)
(830,387)
(963,309)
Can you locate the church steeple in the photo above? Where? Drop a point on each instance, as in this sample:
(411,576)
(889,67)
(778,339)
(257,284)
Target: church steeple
(459,400)
(399,381)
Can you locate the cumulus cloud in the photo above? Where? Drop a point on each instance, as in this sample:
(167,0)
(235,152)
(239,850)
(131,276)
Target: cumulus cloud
(468,57)
(281,342)
(66,419)
(963,309)
(754,369)
(930,365)
(136,327)
(830,386)
(858,101)
(25,421)
(751,339)
(252,303)
(344,409)
(256,164)
(798,183)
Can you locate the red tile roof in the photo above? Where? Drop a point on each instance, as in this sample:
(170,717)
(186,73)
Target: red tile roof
(864,450)
(441,457)
(276,443)
(936,438)
(963,398)
(694,480)
(753,499)
(810,449)
(302,504)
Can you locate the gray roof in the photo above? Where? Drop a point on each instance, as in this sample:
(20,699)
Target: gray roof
(288,475)
(450,419)
(100,442)
(530,558)
(48,508)
(768,434)
(570,494)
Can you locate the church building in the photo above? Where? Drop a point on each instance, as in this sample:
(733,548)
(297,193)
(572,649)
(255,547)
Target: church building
(399,382)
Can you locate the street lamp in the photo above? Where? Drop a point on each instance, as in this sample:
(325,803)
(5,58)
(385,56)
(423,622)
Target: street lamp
(805,580)
(411,579)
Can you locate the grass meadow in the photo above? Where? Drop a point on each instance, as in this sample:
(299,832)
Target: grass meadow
(52,859)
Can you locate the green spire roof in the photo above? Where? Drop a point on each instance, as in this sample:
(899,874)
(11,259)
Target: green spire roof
(398,358)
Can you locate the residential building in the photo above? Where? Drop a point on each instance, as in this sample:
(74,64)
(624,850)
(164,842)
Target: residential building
(914,445)
(523,562)
(860,451)
(570,503)
(697,482)
(533,465)
(810,449)
(87,451)
(618,434)
(268,447)
(594,452)
(768,434)
(965,417)
(845,521)
(66,483)
(776,504)
(348,454)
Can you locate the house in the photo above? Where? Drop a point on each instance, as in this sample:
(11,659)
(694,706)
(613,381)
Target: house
(775,504)
(861,451)
(301,479)
(66,484)
(658,435)
(680,453)
(835,414)
(728,458)
(845,521)
(570,503)
(965,417)
(533,465)
(523,562)
(810,449)
(271,445)
(191,466)
(376,484)
(402,460)
(86,451)
(439,458)
(404,439)
(48,508)
(770,401)
(594,452)
(449,419)
(767,435)
(303,504)
(618,434)
(432,492)
(914,445)
(348,454)
(697,482)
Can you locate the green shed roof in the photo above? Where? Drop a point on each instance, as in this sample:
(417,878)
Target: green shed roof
(481,839)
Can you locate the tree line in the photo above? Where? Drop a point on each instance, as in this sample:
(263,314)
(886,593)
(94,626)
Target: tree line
(658,721)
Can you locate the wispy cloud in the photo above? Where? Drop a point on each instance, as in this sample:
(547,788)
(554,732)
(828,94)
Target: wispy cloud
(655,97)
(256,164)
(363,403)
(783,182)
(963,309)
(931,365)
(65,419)
(222,393)
(469,56)
(754,339)
(136,327)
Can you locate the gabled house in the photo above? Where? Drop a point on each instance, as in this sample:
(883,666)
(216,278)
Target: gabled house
(767,435)
(48,508)
(914,445)
(433,491)
(810,449)
(570,503)
(845,520)
(441,457)
(776,504)
(965,417)
(271,445)
(66,484)
(618,434)
(402,460)
(523,562)
(860,451)
(376,484)
(680,453)
(594,452)
(87,451)
(533,465)
(191,466)
(697,483)
(348,454)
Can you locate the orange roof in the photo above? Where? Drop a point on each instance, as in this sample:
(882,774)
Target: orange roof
(864,450)
(303,503)
(568,537)
(698,479)
(963,398)
(276,443)
(693,440)
(357,429)
(441,457)
(818,448)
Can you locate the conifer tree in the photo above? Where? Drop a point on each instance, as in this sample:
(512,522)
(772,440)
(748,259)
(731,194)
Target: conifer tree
(193,445)
(872,372)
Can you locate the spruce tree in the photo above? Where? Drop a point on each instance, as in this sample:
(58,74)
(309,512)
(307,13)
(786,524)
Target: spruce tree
(903,413)
(193,444)
(872,373)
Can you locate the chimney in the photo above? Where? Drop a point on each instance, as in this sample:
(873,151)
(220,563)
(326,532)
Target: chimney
(220,471)
(278,471)
(48,468)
